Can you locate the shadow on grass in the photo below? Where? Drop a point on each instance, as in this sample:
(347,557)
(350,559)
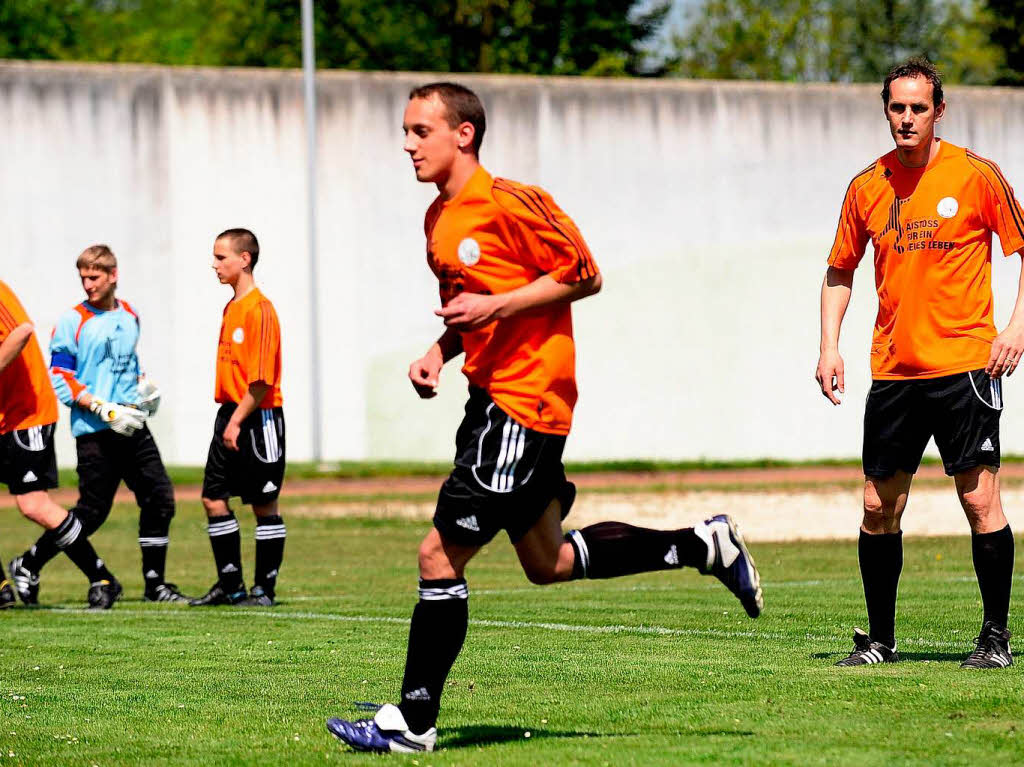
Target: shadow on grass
(484,735)
(935,657)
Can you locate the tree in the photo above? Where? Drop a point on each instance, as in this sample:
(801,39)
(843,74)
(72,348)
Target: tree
(834,40)
(1007,22)
(597,37)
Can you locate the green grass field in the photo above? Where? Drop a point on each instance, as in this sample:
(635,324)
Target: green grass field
(657,669)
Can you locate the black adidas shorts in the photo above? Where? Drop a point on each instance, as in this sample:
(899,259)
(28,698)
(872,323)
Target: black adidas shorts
(256,470)
(28,461)
(504,478)
(961,411)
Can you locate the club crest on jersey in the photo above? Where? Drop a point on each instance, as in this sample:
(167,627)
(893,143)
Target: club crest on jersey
(469,251)
(238,336)
(947,207)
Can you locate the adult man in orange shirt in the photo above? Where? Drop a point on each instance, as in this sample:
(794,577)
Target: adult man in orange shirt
(930,209)
(28,463)
(246,456)
(509,263)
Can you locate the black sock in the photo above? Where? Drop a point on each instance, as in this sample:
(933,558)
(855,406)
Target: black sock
(611,549)
(881,562)
(41,552)
(71,539)
(436,634)
(154,559)
(227,551)
(270,535)
(993,563)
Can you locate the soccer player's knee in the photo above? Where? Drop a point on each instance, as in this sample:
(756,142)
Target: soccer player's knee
(977,503)
(32,506)
(542,573)
(215,507)
(433,561)
(879,513)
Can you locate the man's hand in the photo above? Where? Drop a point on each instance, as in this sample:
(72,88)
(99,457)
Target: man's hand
(148,394)
(124,419)
(425,372)
(830,375)
(470,311)
(230,435)
(1006,352)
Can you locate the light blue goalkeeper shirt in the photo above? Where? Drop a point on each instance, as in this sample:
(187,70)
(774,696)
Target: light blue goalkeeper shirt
(93,350)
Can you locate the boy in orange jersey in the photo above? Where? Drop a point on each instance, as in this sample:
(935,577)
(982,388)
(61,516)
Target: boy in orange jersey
(509,263)
(28,463)
(246,455)
(930,209)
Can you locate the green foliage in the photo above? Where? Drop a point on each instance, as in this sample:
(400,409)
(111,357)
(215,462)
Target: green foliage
(835,40)
(1007,24)
(572,37)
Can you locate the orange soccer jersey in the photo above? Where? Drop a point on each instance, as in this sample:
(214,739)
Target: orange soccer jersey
(26,394)
(495,236)
(249,350)
(932,232)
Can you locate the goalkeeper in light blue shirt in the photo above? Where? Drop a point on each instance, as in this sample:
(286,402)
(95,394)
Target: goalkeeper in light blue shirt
(95,372)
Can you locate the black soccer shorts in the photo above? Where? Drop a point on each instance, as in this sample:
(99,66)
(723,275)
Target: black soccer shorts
(504,477)
(28,461)
(961,411)
(256,470)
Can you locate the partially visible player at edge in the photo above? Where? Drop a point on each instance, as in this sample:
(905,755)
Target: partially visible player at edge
(246,456)
(95,371)
(28,462)
(930,209)
(509,263)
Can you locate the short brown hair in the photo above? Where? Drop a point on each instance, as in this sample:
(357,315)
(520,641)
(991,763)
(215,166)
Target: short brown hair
(461,105)
(914,67)
(97,257)
(243,241)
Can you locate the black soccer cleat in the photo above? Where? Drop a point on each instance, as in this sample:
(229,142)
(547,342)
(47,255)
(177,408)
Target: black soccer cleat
(165,592)
(730,561)
(257,598)
(218,596)
(103,594)
(866,651)
(7,597)
(992,648)
(26,582)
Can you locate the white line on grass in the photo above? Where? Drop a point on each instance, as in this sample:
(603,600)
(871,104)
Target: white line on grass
(543,626)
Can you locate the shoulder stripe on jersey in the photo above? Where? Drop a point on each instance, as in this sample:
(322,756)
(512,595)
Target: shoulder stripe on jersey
(582,269)
(867,170)
(1018,216)
(84,314)
(128,308)
(585,268)
(7,317)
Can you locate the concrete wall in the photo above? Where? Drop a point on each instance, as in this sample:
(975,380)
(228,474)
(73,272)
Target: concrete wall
(709,207)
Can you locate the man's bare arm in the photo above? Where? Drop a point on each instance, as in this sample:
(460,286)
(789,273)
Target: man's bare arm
(1009,345)
(836,289)
(469,311)
(14,343)
(425,372)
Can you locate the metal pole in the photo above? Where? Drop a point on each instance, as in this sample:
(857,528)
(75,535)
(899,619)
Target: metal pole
(309,88)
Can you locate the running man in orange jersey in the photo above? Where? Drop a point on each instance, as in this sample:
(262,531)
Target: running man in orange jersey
(28,463)
(246,456)
(509,263)
(930,209)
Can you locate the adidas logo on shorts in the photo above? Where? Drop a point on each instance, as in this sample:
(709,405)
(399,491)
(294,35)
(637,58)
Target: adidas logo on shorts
(987,446)
(30,477)
(269,487)
(469,523)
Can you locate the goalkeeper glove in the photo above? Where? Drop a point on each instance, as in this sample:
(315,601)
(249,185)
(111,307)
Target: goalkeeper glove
(149,396)
(124,419)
